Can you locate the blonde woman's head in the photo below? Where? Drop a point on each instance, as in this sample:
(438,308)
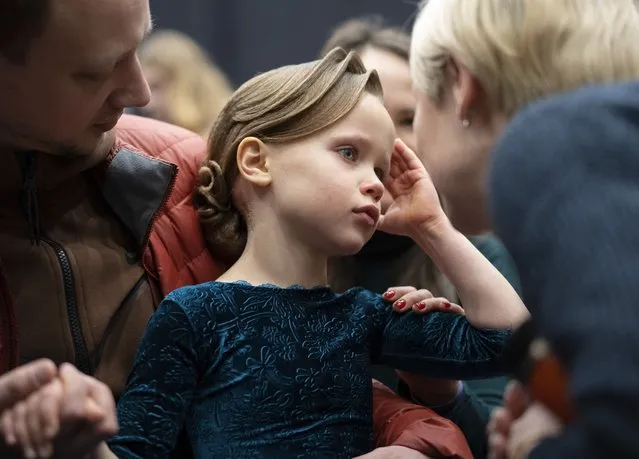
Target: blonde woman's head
(187,88)
(475,63)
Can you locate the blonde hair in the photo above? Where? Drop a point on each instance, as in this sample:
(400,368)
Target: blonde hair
(198,89)
(283,105)
(523,50)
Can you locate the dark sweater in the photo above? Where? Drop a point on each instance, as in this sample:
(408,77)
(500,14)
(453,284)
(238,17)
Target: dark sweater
(266,372)
(565,199)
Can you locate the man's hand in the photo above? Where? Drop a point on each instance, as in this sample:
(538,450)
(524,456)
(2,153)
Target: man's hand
(18,384)
(393,452)
(69,417)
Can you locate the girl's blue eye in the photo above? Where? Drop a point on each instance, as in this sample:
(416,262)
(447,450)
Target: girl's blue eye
(348,153)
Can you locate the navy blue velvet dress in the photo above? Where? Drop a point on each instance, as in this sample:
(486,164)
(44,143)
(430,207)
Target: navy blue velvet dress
(268,372)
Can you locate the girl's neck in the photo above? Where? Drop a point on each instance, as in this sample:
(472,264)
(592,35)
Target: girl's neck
(273,257)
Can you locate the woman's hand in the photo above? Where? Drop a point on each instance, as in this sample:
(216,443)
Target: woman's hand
(430,391)
(416,204)
(516,428)
(420,301)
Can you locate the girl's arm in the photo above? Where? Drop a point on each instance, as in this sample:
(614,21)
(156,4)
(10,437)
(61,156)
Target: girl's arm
(438,344)
(154,405)
(487,297)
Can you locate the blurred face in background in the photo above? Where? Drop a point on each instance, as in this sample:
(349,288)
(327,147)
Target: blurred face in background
(159,83)
(399,97)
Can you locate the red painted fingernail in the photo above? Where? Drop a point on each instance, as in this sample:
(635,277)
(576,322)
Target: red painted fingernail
(389,294)
(420,306)
(447,305)
(399,304)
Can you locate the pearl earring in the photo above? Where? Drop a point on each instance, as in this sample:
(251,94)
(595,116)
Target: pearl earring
(465,122)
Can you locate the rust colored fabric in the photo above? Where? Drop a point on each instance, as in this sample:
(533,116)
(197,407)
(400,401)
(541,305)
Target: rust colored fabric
(402,423)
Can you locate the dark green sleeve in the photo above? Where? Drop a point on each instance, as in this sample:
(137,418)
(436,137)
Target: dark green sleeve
(471,415)
(489,391)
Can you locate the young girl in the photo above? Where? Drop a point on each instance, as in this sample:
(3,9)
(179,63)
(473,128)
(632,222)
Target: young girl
(397,260)
(266,361)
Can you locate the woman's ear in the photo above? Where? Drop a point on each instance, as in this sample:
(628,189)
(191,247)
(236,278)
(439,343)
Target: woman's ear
(253,161)
(466,91)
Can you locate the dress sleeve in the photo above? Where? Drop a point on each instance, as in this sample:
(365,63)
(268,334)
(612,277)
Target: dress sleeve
(437,344)
(153,407)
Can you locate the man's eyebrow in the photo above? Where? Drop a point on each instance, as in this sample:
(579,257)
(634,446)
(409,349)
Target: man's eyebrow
(107,62)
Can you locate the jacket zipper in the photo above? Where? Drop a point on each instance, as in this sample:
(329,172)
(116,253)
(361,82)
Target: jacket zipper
(29,201)
(82,361)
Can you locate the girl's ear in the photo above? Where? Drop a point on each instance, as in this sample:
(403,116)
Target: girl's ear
(252,161)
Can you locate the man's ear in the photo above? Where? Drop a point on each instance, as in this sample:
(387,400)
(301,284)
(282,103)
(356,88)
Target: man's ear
(253,161)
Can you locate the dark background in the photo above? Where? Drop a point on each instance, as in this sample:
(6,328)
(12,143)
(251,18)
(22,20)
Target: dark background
(249,36)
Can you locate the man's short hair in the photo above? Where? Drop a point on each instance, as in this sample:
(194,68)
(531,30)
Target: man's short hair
(21,21)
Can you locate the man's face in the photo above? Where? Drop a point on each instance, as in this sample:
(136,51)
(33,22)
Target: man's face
(78,78)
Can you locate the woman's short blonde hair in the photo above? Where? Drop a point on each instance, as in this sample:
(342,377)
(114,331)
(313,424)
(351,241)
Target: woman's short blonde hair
(523,50)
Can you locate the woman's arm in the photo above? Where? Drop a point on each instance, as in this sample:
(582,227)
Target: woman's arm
(152,409)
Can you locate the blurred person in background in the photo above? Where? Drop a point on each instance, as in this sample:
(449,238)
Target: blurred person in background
(492,77)
(389,260)
(187,88)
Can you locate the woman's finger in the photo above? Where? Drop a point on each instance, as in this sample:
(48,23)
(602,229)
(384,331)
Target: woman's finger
(516,399)
(410,299)
(439,304)
(496,446)
(393,294)
(500,421)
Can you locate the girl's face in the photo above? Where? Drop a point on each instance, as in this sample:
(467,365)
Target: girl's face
(326,189)
(399,97)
